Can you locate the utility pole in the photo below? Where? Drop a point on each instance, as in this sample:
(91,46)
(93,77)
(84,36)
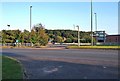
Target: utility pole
(91,25)
(30,24)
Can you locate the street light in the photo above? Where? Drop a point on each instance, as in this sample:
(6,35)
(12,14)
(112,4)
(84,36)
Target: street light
(74,26)
(8,29)
(95,22)
(30,24)
(96,26)
(8,26)
(78,36)
(91,25)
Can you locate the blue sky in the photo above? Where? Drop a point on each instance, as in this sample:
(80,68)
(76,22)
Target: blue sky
(60,15)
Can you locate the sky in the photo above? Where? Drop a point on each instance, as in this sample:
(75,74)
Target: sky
(60,15)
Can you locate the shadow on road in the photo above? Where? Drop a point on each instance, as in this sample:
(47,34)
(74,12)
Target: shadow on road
(62,70)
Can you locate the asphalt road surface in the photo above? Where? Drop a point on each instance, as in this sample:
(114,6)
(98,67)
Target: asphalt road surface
(67,63)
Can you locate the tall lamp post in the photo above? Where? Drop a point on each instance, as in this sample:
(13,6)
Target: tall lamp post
(91,25)
(8,26)
(78,36)
(30,24)
(96,26)
(95,21)
(8,29)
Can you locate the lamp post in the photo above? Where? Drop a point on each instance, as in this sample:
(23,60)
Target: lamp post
(91,25)
(78,36)
(74,26)
(30,24)
(95,21)
(8,26)
(8,29)
(96,26)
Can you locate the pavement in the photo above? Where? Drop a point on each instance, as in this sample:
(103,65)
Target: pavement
(67,63)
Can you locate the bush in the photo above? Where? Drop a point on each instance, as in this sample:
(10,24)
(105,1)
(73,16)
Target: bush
(36,44)
(68,40)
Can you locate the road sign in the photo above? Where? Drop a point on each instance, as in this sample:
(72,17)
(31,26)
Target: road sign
(17,41)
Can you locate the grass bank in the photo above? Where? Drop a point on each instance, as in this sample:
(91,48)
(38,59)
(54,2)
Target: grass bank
(11,68)
(93,47)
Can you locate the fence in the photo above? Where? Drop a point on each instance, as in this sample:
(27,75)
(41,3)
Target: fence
(73,43)
(28,44)
(14,44)
(56,44)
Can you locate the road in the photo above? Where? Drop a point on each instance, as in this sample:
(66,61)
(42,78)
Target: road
(67,63)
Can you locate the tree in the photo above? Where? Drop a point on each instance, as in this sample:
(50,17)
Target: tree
(87,38)
(75,40)
(58,39)
(8,36)
(33,37)
(3,37)
(41,36)
(21,37)
(68,40)
(57,33)
(26,36)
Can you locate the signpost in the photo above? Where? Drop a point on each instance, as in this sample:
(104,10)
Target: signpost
(17,42)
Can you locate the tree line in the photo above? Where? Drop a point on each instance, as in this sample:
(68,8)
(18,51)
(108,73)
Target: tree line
(41,36)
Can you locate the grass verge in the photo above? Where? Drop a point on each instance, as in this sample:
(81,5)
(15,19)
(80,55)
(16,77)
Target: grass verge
(93,47)
(11,68)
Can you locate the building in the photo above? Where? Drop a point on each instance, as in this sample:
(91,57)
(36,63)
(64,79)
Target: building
(103,38)
(113,39)
(100,36)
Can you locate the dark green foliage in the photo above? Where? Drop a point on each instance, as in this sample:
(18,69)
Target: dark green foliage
(9,36)
(37,35)
(40,35)
(69,35)
(58,39)
(68,40)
